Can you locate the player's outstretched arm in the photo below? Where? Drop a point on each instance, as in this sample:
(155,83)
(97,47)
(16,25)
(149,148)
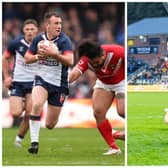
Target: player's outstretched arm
(6,69)
(74,75)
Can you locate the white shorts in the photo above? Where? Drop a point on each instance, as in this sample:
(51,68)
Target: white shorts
(117,88)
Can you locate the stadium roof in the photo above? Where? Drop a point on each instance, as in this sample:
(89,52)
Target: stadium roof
(149,26)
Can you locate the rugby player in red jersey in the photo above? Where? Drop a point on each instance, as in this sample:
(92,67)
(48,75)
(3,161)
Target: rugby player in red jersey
(107,62)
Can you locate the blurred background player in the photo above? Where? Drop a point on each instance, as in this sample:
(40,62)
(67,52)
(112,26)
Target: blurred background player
(51,80)
(20,82)
(107,62)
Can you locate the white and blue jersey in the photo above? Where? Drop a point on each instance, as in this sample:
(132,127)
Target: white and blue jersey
(51,70)
(22,72)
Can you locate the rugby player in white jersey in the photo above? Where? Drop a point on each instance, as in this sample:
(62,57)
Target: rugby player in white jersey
(20,82)
(51,81)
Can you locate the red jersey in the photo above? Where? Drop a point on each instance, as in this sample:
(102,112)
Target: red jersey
(113,70)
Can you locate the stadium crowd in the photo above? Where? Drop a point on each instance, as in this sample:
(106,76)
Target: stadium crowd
(146,73)
(103,22)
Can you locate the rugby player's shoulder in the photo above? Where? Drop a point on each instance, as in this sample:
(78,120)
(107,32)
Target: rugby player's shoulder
(63,36)
(18,38)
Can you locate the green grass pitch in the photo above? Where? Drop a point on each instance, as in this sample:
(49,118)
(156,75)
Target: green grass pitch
(61,146)
(147,132)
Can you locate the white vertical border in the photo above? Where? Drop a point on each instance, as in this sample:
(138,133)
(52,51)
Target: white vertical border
(126,114)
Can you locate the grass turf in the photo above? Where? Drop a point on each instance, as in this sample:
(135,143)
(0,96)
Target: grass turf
(147,132)
(61,146)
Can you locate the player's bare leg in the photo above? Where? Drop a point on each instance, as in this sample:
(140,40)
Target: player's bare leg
(101,103)
(119,135)
(120,105)
(52,116)
(39,96)
(16,108)
(24,126)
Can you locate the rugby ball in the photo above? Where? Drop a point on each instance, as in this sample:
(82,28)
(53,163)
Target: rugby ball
(47,43)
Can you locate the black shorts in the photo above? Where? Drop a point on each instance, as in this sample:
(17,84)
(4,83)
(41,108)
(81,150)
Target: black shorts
(21,88)
(56,95)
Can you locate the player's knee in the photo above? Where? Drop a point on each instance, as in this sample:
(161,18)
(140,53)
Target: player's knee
(36,108)
(98,114)
(15,114)
(121,114)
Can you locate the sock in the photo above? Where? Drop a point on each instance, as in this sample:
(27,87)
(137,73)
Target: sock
(106,131)
(34,124)
(19,138)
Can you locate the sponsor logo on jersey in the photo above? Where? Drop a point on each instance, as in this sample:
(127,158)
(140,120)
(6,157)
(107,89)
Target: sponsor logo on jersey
(21,48)
(81,62)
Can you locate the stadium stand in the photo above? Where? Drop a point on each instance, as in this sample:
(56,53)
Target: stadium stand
(147,43)
(139,11)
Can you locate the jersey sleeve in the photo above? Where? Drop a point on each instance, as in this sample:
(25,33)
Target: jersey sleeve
(33,47)
(82,65)
(120,51)
(66,46)
(12,47)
